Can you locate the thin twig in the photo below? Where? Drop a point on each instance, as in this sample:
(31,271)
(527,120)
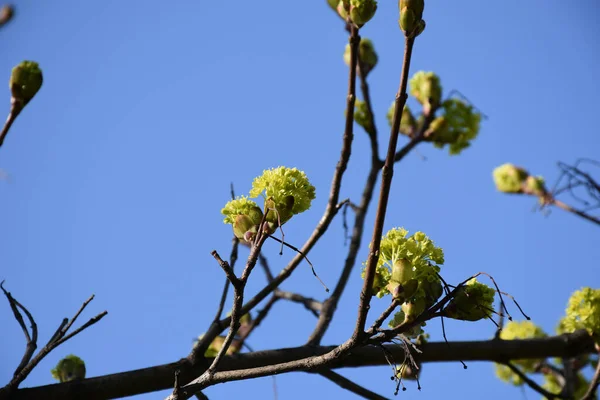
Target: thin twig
(591,392)
(532,384)
(15,110)
(386,182)
(312,305)
(347,384)
(232,259)
(575,211)
(264,263)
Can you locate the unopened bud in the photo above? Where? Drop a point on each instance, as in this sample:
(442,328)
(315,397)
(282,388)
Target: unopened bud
(25,81)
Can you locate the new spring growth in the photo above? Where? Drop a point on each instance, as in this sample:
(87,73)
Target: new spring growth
(583,312)
(411,17)
(518,330)
(512,179)
(408,124)
(427,89)
(456,127)
(366,54)
(362,116)
(472,302)
(69,369)
(25,81)
(553,385)
(285,191)
(359,11)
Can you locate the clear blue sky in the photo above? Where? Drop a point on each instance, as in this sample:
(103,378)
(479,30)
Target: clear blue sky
(120,166)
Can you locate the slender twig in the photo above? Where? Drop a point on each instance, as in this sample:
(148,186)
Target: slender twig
(386,182)
(380,320)
(15,109)
(232,259)
(575,211)
(591,392)
(372,131)
(312,305)
(59,337)
(347,384)
(31,340)
(532,384)
(264,263)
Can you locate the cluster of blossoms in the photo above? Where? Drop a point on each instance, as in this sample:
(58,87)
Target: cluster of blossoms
(518,330)
(512,179)
(408,269)
(68,369)
(457,123)
(286,192)
(583,312)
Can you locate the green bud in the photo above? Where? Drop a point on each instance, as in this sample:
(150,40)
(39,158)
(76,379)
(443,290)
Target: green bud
(413,309)
(411,17)
(407,124)
(69,369)
(361,11)
(427,89)
(366,54)
(472,302)
(25,81)
(333,4)
(402,271)
(509,178)
(362,115)
(535,185)
(243,228)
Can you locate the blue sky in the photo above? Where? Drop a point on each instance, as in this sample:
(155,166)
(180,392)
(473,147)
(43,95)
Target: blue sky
(119,168)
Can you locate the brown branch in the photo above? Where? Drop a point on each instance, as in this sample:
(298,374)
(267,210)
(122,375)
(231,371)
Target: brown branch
(161,377)
(31,340)
(15,109)
(575,211)
(591,392)
(312,305)
(232,260)
(59,337)
(386,183)
(532,384)
(347,384)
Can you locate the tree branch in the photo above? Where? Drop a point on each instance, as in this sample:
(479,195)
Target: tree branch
(161,377)
(347,384)
(591,392)
(532,384)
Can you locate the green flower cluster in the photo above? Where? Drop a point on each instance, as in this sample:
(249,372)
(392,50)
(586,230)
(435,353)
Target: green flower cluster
(457,127)
(552,385)
(407,123)
(472,302)
(69,369)
(366,54)
(408,268)
(359,11)
(362,116)
(512,179)
(518,330)
(286,192)
(427,89)
(583,312)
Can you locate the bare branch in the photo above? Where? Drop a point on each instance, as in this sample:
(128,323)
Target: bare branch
(532,384)
(386,183)
(591,392)
(161,377)
(312,305)
(232,259)
(347,384)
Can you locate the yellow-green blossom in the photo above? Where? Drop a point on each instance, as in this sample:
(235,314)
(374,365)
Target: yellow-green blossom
(583,312)
(68,369)
(472,302)
(518,330)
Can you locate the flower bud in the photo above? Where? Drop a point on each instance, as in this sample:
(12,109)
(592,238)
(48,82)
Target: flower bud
(411,17)
(413,309)
(402,271)
(69,369)
(362,115)
(509,178)
(361,11)
(243,228)
(472,302)
(6,13)
(426,88)
(535,185)
(25,81)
